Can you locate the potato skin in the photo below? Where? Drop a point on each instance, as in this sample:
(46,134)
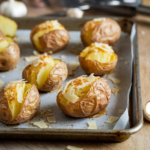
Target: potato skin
(107,31)
(98,68)
(28,111)
(57,75)
(52,41)
(9,57)
(93,102)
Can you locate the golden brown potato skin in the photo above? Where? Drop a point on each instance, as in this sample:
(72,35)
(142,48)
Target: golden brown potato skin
(57,75)
(9,57)
(28,111)
(98,68)
(107,31)
(52,41)
(95,100)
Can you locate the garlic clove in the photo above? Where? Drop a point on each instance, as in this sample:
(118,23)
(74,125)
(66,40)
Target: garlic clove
(13,9)
(75,13)
(147,111)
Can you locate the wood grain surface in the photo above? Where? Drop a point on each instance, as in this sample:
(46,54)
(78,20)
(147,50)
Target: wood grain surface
(138,141)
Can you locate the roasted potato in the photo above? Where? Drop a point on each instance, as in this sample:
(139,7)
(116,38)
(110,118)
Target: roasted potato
(9,54)
(101,30)
(98,58)
(49,36)
(8,26)
(84,96)
(19,102)
(47,74)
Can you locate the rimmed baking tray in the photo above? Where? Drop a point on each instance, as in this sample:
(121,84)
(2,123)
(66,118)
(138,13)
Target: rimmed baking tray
(135,104)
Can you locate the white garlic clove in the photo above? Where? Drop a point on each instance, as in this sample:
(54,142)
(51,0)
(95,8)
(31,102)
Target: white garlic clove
(147,111)
(13,9)
(75,13)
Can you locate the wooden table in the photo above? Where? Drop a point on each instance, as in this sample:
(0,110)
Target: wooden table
(138,141)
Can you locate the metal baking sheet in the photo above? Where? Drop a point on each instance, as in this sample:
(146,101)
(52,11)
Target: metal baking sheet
(48,100)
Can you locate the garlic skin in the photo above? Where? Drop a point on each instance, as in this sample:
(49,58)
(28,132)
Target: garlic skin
(147,111)
(13,8)
(75,13)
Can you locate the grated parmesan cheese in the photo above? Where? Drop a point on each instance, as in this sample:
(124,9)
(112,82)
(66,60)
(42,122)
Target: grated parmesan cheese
(92,125)
(99,19)
(1,83)
(30,58)
(36,53)
(51,119)
(103,46)
(63,56)
(40,124)
(115,90)
(112,119)
(73,65)
(73,148)
(126,63)
(115,81)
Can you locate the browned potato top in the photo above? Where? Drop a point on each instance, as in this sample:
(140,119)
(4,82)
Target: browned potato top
(104,30)
(98,58)
(84,96)
(47,74)
(19,102)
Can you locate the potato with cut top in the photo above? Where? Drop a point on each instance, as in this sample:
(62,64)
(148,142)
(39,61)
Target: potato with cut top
(47,74)
(19,102)
(49,36)
(98,58)
(101,30)
(84,96)
(9,53)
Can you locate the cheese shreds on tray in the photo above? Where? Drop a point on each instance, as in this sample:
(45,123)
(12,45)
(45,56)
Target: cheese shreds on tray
(51,119)
(121,111)
(36,53)
(120,58)
(115,81)
(49,110)
(63,56)
(30,58)
(112,119)
(73,148)
(126,63)
(73,65)
(115,90)
(1,83)
(92,125)
(40,124)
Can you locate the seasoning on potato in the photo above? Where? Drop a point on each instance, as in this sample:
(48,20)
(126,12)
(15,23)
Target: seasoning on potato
(98,58)
(19,102)
(47,74)
(9,54)
(102,30)
(84,96)
(49,36)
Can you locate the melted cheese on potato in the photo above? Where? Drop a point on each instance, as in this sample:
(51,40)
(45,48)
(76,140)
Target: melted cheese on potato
(98,51)
(4,43)
(76,89)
